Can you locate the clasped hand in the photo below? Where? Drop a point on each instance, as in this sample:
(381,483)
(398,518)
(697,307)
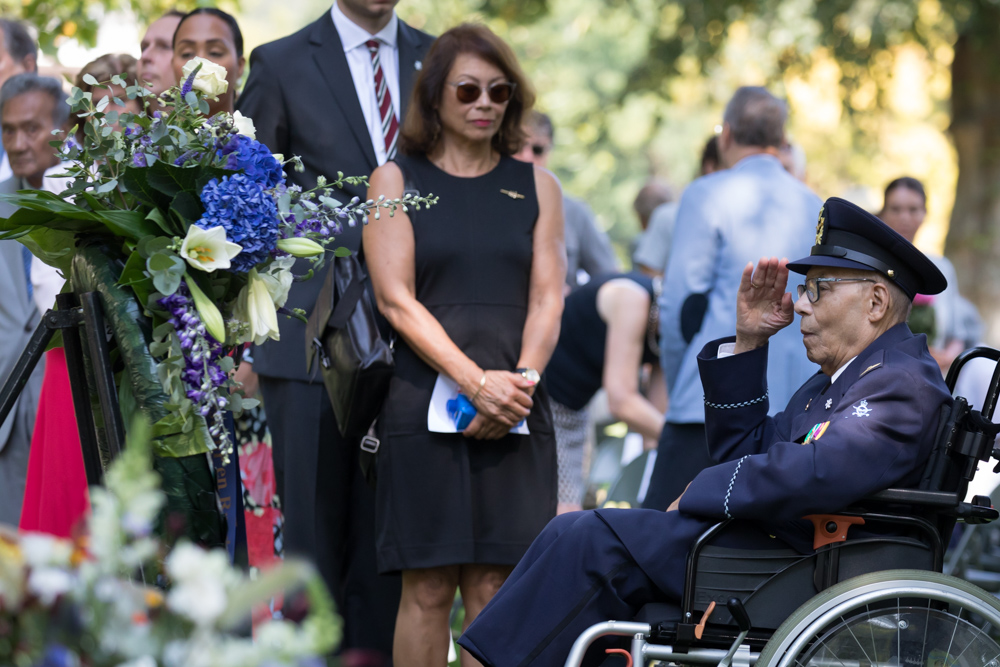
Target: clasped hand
(763,307)
(504,400)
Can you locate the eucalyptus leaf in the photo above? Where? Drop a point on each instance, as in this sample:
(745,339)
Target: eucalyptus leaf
(166,282)
(89,79)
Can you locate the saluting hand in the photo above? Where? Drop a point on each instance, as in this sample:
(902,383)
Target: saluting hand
(763,307)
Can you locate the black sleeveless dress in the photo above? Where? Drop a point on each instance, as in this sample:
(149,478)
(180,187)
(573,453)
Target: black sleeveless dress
(444,499)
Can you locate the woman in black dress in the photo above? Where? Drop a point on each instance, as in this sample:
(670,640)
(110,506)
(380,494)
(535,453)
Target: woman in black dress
(473,287)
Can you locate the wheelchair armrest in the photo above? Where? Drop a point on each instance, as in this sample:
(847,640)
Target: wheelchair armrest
(938,499)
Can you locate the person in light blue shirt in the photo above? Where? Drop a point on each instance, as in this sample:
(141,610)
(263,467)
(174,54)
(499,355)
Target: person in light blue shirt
(753,208)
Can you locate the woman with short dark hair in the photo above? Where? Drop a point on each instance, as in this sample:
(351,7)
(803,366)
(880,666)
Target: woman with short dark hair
(473,288)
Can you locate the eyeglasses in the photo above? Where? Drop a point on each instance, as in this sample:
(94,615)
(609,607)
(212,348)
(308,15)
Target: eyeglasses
(499,92)
(539,149)
(811,286)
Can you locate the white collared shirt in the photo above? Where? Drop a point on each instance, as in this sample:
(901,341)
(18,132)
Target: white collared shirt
(729,349)
(359,59)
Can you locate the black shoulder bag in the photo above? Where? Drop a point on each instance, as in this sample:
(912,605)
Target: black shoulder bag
(355,358)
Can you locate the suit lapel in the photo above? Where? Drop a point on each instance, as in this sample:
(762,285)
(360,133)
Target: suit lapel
(328,52)
(407,46)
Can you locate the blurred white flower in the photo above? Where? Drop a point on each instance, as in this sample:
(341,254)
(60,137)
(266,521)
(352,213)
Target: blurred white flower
(41,549)
(48,583)
(199,583)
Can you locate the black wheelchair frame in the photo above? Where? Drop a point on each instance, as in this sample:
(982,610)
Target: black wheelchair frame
(777,602)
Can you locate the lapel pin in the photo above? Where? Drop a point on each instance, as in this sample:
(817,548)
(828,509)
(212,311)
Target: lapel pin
(513,194)
(418,65)
(829,403)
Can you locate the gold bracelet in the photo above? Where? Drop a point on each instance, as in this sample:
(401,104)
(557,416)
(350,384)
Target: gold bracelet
(482,383)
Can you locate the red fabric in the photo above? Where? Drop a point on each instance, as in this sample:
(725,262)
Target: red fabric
(55,494)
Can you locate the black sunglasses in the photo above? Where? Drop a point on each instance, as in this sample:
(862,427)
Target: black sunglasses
(499,92)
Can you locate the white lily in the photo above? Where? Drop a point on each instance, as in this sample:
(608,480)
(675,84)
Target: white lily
(207,311)
(244,125)
(208,249)
(257,308)
(300,247)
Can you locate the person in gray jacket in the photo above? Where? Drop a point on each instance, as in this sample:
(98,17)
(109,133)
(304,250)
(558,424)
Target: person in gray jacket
(31,107)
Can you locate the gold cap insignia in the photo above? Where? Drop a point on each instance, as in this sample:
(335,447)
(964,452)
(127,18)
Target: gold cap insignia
(821,226)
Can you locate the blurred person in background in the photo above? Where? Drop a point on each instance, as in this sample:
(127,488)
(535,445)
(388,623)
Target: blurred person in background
(155,68)
(752,208)
(31,108)
(793,159)
(103,69)
(18,54)
(588,248)
(473,286)
(609,330)
(650,196)
(652,247)
(954,323)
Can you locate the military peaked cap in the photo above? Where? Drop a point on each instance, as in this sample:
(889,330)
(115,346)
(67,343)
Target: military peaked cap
(849,237)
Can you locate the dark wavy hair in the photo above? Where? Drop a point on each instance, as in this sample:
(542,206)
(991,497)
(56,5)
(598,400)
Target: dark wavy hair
(234,27)
(422,126)
(907,182)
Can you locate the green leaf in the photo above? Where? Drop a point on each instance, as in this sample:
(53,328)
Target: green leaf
(136,181)
(165,261)
(157,218)
(89,78)
(134,271)
(150,244)
(167,283)
(130,224)
(342,252)
(52,246)
(187,207)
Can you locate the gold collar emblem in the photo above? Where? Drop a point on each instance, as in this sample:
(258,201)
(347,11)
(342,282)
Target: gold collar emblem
(820,227)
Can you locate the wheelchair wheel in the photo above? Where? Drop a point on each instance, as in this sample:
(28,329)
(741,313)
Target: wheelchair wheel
(891,619)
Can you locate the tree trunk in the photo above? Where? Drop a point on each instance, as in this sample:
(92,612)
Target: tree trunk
(973,242)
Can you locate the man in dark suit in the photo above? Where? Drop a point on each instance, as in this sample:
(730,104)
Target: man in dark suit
(334,94)
(865,422)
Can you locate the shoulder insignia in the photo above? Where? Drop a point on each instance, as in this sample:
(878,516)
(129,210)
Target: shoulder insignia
(870,368)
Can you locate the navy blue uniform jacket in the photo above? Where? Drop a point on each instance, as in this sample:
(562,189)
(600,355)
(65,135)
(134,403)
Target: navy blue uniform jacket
(833,444)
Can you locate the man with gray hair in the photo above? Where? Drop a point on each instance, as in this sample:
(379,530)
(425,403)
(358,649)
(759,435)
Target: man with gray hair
(31,107)
(751,208)
(18,54)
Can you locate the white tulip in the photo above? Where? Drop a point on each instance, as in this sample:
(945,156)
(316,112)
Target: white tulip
(211,78)
(208,249)
(244,125)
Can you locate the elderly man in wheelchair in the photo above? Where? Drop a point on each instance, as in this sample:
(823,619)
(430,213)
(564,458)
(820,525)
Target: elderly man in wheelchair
(749,566)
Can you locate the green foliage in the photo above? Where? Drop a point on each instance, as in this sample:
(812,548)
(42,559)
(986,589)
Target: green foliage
(60,20)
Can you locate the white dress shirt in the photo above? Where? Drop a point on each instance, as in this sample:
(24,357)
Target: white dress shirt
(359,59)
(46,281)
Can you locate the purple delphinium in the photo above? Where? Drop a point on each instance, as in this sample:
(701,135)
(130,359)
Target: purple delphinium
(202,376)
(189,82)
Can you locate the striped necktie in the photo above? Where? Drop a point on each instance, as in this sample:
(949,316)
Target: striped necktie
(390,126)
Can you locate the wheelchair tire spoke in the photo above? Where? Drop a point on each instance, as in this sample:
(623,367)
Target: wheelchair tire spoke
(954,631)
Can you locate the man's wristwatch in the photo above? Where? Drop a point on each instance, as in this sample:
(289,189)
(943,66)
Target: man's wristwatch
(529,374)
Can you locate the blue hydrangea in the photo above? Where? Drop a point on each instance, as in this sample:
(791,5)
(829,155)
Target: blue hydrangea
(254,159)
(248,214)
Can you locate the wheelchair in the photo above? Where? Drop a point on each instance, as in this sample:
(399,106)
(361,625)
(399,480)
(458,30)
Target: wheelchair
(873,601)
